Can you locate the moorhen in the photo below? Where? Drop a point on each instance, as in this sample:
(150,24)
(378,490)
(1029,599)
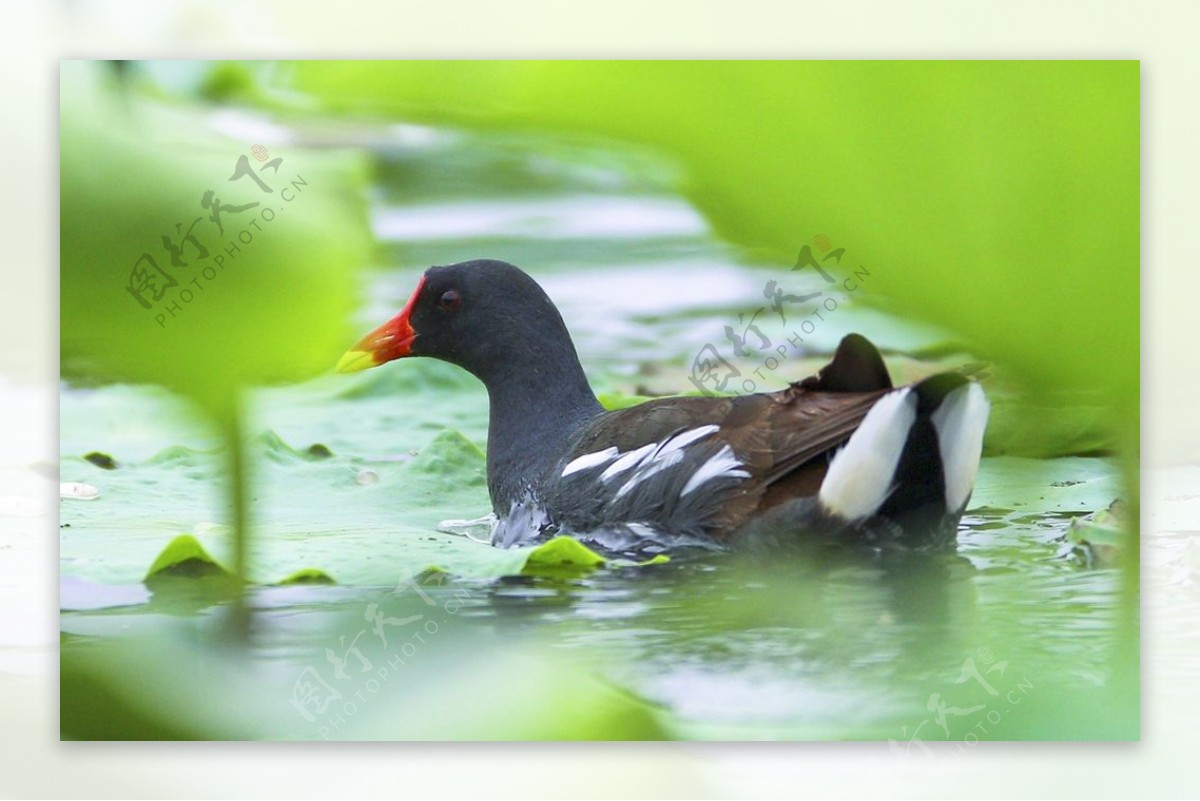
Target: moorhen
(838,457)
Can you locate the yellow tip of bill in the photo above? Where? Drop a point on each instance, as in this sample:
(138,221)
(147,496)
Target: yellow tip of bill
(354,360)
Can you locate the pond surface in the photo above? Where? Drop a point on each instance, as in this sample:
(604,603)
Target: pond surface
(993,640)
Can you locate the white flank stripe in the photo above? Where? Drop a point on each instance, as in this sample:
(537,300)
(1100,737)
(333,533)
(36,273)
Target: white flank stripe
(680,441)
(723,465)
(590,460)
(960,421)
(860,477)
(654,465)
(627,461)
(649,459)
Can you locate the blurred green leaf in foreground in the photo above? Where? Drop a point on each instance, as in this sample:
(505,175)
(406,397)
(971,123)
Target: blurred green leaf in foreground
(195,261)
(998,199)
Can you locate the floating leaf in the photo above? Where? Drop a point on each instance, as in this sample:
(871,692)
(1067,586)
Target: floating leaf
(308,575)
(1101,538)
(101,460)
(1070,485)
(563,551)
(318,451)
(451,455)
(184,556)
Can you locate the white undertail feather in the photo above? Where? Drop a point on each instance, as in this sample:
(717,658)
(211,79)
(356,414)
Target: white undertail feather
(860,477)
(960,421)
(723,465)
(590,460)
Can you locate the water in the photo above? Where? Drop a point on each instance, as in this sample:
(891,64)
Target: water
(713,645)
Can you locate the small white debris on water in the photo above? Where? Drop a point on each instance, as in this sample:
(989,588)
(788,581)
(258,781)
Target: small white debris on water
(77,491)
(367,477)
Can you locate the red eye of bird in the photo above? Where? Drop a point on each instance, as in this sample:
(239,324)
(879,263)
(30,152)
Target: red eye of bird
(449,301)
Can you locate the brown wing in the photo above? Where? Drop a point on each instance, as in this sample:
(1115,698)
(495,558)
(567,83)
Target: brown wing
(778,436)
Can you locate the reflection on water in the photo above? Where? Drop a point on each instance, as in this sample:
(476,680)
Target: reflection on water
(829,646)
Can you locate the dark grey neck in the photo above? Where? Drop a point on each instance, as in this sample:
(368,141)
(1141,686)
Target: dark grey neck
(535,410)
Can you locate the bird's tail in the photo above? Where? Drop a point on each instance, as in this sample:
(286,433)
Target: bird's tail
(913,460)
